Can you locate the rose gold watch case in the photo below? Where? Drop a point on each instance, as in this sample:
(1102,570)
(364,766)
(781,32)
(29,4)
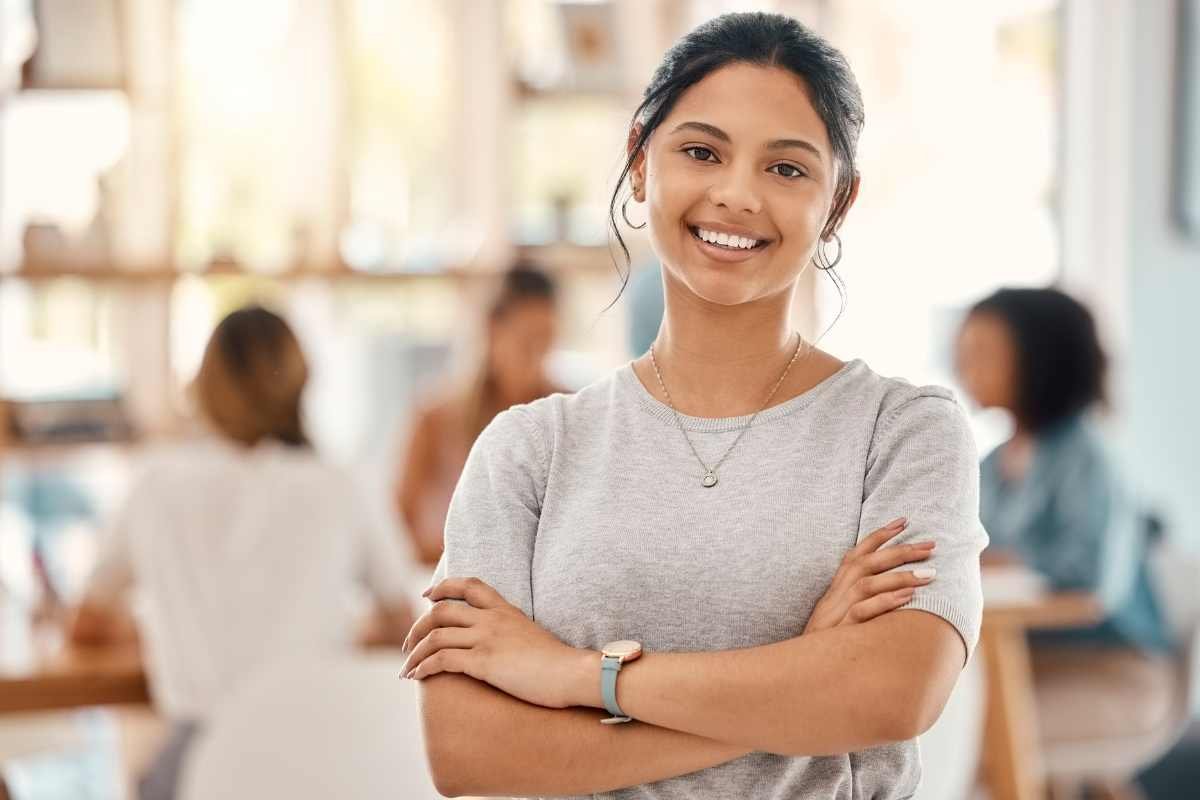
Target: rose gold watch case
(626,650)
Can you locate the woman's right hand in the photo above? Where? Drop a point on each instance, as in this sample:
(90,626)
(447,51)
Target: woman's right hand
(863,588)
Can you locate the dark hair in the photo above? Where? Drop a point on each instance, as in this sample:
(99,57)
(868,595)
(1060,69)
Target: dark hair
(1061,367)
(523,281)
(767,40)
(252,377)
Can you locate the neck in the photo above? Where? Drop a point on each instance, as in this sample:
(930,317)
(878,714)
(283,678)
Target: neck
(721,361)
(504,397)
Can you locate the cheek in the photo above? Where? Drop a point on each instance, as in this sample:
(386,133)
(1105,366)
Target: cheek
(669,194)
(502,351)
(800,220)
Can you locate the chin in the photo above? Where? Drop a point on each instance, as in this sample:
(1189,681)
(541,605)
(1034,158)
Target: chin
(720,285)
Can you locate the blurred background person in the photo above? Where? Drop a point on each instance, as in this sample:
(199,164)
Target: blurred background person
(1053,499)
(520,329)
(244,545)
(1052,496)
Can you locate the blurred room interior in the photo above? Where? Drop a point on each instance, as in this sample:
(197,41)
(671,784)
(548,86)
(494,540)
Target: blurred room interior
(369,168)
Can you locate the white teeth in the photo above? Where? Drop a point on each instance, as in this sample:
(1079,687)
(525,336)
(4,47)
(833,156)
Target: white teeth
(726,240)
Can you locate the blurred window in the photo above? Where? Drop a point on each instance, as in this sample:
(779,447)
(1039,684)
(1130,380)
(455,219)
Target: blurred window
(58,150)
(402,168)
(569,122)
(960,164)
(260,114)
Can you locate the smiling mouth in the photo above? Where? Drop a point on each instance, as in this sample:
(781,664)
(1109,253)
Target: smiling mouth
(726,241)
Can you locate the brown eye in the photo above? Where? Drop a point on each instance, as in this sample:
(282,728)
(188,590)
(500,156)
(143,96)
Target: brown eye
(700,153)
(787,171)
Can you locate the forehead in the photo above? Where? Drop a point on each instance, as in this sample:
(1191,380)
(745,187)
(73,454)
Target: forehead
(983,327)
(752,104)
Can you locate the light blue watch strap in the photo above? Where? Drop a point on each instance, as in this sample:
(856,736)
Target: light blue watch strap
(609,667)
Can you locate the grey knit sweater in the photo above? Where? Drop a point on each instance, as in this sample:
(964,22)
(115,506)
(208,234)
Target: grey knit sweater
(587,512)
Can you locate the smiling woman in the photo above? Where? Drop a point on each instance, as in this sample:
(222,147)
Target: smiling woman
(719,508)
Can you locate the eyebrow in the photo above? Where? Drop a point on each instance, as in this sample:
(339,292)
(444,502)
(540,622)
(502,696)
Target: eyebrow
(775,144)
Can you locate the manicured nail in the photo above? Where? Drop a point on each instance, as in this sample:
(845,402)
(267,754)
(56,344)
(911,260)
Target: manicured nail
(896,524)
(926,545)
(924,573)
(426,592)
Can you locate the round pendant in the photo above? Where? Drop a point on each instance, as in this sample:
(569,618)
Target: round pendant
(710,479)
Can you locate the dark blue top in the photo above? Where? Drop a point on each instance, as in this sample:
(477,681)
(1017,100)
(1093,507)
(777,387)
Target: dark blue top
(1071,519)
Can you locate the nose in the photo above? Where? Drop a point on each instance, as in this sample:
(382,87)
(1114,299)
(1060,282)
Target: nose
(734,190)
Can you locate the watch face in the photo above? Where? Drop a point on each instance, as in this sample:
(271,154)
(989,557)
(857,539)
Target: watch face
(624,649)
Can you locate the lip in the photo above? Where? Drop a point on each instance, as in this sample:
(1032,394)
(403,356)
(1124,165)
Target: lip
(724,254)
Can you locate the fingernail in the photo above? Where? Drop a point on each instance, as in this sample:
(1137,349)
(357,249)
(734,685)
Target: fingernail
(929,545)
(899,522)
(924,573)
(426,592)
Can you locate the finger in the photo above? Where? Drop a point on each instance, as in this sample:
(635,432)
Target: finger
(848,571)
(892,557)
(444,614)
(878,605)
(877,538)
(437,640)
(873,585)
(445,661)
(473,590)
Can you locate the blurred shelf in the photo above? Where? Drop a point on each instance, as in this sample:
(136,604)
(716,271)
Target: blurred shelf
(559,258)
(109,274)
(53,450)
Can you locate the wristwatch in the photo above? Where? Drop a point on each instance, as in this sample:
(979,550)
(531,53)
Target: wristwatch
(613,656)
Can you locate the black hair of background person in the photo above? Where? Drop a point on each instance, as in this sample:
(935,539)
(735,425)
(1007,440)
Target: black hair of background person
(522,281)
(1061,366)
(766,40)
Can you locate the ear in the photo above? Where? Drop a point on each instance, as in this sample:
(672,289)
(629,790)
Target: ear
(838,214)
(637,170)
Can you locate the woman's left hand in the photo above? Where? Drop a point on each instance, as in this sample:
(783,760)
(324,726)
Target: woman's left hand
(493,641)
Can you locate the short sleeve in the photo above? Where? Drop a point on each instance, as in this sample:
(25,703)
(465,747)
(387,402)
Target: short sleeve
(493,518)
(923,466)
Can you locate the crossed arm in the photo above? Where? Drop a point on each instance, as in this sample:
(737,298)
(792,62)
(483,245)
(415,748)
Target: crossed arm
(833,691)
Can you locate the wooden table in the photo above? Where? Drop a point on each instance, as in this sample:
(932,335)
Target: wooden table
(75,677)
(40,672)
(1012,760)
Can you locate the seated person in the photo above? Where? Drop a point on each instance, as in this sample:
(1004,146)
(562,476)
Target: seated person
(521,327)
(244,546)
(1052,498)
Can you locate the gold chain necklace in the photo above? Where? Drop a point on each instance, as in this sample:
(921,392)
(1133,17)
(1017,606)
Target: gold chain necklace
(710,473)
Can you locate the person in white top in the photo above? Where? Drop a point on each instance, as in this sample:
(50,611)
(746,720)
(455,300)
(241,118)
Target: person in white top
(244,547)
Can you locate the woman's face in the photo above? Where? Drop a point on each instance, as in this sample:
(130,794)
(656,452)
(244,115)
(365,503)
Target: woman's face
(521,339)
(742,154)
(986,361)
